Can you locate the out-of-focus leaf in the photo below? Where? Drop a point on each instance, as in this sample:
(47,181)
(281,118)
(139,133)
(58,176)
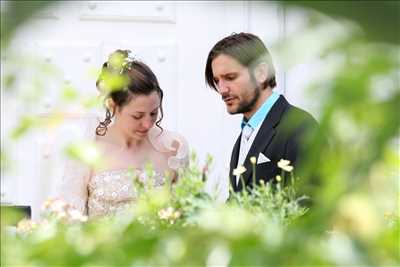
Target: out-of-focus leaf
(15,13)
(85,152)
(26,123)
(9,81)
(69,93)
(3,159)
(380,20)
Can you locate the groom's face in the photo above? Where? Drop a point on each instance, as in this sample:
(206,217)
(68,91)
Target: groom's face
(234,83)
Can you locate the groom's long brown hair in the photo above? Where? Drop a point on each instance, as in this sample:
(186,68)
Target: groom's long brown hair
(248,50)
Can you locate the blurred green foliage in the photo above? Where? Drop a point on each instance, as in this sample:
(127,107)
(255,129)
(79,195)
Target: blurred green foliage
(163,226)
(379,19)
(15,13)
(182,225)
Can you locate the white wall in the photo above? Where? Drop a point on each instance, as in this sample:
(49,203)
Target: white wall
(173,38)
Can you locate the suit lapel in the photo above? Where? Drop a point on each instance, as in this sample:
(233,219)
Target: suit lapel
(234,161)
(264,136)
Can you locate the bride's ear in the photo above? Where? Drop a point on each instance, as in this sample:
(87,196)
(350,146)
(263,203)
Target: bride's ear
(110,105)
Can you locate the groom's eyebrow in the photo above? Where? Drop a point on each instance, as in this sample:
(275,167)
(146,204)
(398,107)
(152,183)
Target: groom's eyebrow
(228,74)
(223,75)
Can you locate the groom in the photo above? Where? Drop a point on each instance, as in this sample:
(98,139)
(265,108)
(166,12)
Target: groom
(239,67)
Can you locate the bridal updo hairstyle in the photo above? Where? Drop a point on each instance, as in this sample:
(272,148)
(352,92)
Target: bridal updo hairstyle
(122,78)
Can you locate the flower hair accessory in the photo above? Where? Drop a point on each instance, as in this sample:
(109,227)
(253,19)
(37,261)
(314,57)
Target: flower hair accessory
(120,61)
(113,76)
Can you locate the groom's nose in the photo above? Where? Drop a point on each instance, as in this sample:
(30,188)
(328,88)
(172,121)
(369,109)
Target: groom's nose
(222,88)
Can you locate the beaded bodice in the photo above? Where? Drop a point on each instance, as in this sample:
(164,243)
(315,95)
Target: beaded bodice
(112,191)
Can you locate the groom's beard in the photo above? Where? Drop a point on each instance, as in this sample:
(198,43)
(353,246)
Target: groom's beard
(247,105)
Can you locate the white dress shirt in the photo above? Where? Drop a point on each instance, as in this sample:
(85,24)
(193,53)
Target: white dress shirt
(247,139)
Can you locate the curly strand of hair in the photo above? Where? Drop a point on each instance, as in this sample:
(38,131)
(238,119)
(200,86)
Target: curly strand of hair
(101,129)
(158,122)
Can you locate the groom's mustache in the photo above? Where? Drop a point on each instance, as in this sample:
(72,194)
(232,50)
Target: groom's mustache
(226,97)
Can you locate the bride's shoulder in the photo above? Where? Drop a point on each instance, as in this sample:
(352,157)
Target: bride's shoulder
(166,141)
(171,143)
(105,145)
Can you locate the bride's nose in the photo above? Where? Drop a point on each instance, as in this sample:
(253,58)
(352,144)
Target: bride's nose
(147,123)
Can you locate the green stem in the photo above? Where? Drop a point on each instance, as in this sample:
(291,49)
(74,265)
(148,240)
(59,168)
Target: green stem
(242,181)
(254,175)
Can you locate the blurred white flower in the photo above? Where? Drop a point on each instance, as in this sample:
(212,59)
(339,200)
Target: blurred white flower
(239,170)
(220,255)
(63,210)
(284,165)
(26,225)
(54,205)
(358,215)
(76,215)
(169,214)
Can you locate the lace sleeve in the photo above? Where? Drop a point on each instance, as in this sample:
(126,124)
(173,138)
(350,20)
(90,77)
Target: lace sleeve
(167,142)
(73,188)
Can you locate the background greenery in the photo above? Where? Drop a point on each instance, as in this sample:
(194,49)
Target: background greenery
(355,216)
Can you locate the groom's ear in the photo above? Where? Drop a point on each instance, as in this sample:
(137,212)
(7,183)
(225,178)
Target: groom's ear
(261,73)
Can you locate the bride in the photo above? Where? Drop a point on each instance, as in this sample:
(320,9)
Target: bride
(129,138)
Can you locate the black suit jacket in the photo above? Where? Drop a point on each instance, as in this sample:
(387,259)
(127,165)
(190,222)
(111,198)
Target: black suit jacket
(282,135)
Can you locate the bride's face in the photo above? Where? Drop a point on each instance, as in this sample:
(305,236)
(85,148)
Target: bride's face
(137,117)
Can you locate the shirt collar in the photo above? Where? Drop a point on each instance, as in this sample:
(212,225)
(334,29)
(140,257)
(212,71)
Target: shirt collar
(261,113)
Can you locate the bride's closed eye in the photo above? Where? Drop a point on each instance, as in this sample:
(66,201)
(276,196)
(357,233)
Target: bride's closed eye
(137,117)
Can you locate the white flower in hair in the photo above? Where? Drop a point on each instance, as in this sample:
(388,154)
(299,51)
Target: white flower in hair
(128,60)
(130,56)
(120,60)
(113,75)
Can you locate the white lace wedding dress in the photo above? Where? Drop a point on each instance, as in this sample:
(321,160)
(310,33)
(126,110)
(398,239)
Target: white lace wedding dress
(108,191)
(111,191)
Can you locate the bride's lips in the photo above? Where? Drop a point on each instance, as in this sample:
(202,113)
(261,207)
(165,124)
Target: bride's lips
(142,133)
